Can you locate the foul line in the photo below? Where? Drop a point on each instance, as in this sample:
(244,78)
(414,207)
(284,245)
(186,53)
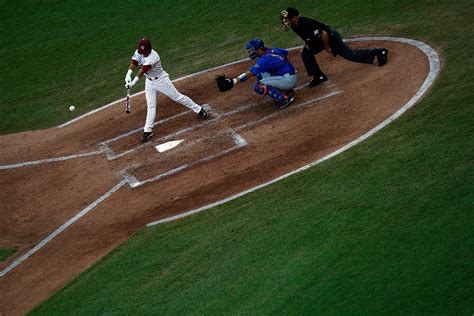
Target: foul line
(61,229)
(38,162)
(312,101)
(394,39)
(433,73)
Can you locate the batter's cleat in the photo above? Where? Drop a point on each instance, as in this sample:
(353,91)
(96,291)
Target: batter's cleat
(382,56)
(288,100)
(317,80)
(146,136)
(203,114)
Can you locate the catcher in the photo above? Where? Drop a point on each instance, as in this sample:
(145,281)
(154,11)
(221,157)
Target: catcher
(276,76)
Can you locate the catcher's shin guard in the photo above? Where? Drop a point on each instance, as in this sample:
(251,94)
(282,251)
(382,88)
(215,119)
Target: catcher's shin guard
(259,88)
(272,92)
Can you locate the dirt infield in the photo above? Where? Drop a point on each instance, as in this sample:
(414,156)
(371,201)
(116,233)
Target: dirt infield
(85,188)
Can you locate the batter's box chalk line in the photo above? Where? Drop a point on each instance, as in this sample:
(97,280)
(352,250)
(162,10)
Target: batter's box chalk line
(111,155)
(290,108)
(239,142)
(434,63)
(433,73)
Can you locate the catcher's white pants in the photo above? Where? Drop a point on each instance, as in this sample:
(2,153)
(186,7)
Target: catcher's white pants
(163,84)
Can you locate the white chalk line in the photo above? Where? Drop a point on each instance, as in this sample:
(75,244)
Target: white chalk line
(42,161)
(136,130)
(433,73)
(174,80)
(134,182)
(110,154)
(309,102)
(61,229)
(103,148)
(143,91)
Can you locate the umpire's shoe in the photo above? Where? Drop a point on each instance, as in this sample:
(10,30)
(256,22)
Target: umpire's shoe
(317,80)
(288,100)
(203,113)
(146,136)
(382,57)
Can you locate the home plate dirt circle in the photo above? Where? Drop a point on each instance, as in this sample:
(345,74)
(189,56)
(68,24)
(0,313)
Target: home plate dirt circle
(71,194)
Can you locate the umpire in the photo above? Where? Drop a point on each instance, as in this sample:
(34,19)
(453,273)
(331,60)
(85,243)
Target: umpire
(318,37)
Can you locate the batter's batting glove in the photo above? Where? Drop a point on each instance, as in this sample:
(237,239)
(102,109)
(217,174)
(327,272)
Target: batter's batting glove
(131,84)
(128,76)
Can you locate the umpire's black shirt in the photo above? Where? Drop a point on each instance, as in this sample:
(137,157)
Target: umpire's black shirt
(310,31)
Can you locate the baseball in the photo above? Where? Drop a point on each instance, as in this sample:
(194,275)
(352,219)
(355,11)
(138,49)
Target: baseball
(72,108)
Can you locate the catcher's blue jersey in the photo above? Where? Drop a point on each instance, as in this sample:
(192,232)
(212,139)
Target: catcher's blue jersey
(274,63)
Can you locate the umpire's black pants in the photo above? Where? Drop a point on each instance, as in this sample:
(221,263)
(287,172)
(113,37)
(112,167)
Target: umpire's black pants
(338,47)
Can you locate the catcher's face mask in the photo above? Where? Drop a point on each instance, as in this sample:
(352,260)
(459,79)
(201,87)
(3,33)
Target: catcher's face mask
(253,46)
(285,20)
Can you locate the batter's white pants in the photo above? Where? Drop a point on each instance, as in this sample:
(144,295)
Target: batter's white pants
(163,84)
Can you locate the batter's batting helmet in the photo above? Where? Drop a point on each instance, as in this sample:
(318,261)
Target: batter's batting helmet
(144,46)
(253,46)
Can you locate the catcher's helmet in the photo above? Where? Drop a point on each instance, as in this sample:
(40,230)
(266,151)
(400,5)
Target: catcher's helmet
(144,46)
(253,46)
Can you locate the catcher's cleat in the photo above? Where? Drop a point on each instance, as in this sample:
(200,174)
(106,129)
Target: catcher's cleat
(289,93)
(317,81)
(203,113)
(146,136)
(382,56)
(288,100)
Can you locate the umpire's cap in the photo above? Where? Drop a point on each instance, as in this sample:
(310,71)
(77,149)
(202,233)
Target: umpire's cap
(292,12)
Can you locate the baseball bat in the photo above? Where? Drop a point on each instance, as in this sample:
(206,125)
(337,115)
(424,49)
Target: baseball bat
(127,102)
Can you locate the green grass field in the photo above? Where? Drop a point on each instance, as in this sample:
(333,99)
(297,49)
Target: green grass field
(386,228)
(5,253)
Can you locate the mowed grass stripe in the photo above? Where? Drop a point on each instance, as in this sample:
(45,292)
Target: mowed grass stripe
(384,228)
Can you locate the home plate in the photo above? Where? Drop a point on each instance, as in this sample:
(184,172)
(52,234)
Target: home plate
(169,145)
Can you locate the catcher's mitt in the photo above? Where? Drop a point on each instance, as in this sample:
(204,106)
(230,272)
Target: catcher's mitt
(224,83)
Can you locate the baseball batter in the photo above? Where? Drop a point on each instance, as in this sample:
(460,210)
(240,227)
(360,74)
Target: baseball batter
(318,37)
(276,76)
(157,80)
